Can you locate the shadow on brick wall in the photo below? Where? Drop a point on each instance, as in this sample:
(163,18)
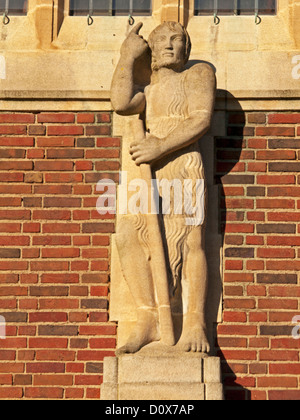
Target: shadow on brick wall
(230,176)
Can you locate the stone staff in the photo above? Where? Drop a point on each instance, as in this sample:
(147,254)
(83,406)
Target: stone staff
(158,261)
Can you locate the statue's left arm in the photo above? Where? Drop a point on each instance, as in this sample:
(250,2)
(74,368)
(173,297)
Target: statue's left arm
(200,87)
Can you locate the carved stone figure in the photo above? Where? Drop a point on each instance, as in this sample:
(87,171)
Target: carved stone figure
(162,256)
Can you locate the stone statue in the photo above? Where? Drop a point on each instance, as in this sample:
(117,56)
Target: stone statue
(162,256)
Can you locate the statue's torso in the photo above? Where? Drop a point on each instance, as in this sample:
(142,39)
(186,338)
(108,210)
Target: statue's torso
(167,107)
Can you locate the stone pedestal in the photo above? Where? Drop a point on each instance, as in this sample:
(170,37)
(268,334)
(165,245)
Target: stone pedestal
(153,374)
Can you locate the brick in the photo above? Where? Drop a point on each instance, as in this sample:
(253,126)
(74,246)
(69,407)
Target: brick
(51,215)
(48,343)
(240,330)
(65,153)
(284,368)
(232,316)
(32,202)
(36,130)
(104,117)
(277,330)
(51,380)
(17,141)
(284,395)
(48,291)
(102,130)
(94,355)
(64,130)
(86,142)
(53,189)
(277,382)
(48,317)
(276,179)
(22,379)
(276,228)
(283,118)
(276,155)
(94,368)
(10,253)
(284,167)
(62,202)
(97,227)
(65,278)
(63,178)
(18,130)
(85,118)
(275,253)
(53,166)
(108,142)
(237,179)
(239,303)
(56,118)
(275,131)
(238,355)
(94,304)
(34,178)
(11,177)
(239,252)
(49,266)
(277,303)
(257,143)
(16,118)
(279,355)
(51,393)
(11,393)
(97,330)
(238,277)
(285,241)
(56,142)
(284,191)
(35,154)
(257,118)
(284,144)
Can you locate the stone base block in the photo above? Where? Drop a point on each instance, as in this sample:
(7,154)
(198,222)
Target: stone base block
(155,373)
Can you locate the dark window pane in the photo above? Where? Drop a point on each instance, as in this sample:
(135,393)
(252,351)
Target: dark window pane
(234,7)
(110,7)
(15,7)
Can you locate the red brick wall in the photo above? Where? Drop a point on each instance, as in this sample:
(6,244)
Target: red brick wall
(54,254)
(257,166)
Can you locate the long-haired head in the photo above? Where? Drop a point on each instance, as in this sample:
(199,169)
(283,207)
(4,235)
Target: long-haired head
(175,27)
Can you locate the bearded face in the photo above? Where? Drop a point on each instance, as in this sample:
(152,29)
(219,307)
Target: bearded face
(168,49)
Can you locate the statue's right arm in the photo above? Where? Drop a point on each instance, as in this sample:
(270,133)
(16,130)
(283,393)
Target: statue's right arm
(126,100)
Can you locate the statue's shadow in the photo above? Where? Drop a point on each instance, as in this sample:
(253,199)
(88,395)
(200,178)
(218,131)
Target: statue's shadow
(221,150)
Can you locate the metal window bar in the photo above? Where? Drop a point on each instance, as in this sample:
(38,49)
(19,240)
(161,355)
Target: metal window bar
(90,19)
(256,7)
(6,19)
(216,18)
(110,8)
(235,8)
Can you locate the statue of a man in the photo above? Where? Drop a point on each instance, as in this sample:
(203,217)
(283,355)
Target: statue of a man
(176,109)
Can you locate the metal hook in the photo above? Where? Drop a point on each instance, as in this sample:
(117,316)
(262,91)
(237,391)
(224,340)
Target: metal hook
(6,19)
(216,19)
(257,19)
(90,20)
(131,20)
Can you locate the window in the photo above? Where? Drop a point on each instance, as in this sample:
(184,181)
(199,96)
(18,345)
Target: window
(110,7)
(13,7)
(235,7)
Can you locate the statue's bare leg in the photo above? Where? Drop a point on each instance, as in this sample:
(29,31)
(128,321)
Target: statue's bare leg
(137,273)
(194,337)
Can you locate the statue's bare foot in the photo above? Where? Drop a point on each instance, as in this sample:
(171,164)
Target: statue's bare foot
(146,331)
(194,336)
